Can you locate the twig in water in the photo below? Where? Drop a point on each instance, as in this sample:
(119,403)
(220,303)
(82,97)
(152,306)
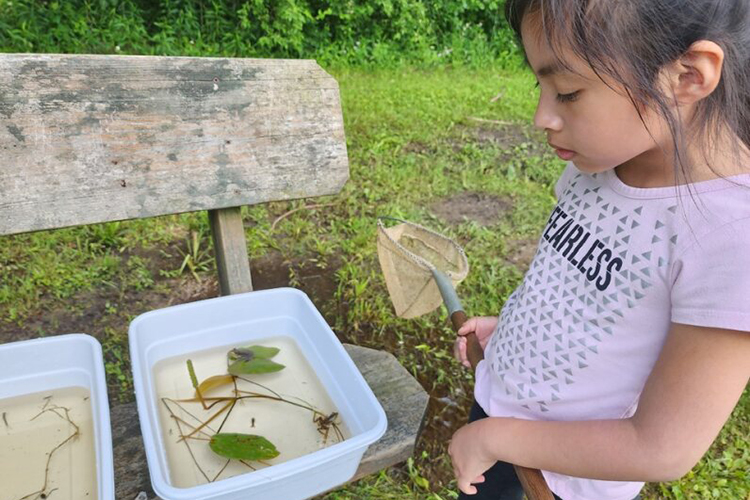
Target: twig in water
(221,426)
(43,493)
(164,400)
(210,419)
(222,470)
(187,443)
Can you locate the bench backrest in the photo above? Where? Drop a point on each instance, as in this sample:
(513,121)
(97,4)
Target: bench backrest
(88,139)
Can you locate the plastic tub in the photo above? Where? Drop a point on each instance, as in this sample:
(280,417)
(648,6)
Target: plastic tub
(40,366)
(245,319)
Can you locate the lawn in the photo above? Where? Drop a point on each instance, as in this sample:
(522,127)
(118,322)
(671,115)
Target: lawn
(448,148)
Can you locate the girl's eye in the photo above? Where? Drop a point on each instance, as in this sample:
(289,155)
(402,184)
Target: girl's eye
(573,96)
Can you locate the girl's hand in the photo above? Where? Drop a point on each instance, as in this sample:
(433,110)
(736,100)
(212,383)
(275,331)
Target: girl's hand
(469,457)
(482,327)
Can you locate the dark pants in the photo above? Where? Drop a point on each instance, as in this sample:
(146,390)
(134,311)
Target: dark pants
(500,481)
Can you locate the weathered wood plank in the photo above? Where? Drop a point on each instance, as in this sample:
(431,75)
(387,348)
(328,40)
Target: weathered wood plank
(405,404)
(404,401)
(89,139)
(230,250)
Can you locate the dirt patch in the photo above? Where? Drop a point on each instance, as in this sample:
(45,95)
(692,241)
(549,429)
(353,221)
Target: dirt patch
(521,252)
(417,147)
(496,134)
(503,136)
(482,208)
(314,276)
(499,134)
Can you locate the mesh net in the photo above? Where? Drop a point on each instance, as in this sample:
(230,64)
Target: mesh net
(408,252)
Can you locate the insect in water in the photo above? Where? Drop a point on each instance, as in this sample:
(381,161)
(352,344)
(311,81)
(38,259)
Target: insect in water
(325,423)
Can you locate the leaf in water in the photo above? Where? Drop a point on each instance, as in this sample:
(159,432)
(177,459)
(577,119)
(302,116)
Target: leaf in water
(264,352)
(212,383)
(253,359)
(243,446)
(254,351)
(258,365)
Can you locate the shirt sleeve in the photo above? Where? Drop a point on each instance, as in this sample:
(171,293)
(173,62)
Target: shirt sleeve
(711,280)
(564,179)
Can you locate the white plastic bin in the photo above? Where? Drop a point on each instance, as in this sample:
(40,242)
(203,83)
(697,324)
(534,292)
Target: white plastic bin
(74,360)
(245,319)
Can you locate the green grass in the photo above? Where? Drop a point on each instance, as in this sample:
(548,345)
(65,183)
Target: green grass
(415,137)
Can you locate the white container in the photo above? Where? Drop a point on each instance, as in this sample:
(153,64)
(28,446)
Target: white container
(246,319)
(65,361)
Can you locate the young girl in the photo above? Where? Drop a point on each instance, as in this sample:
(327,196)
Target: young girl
(627,345)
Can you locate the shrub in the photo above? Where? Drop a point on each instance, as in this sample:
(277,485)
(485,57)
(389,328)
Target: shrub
(370,32)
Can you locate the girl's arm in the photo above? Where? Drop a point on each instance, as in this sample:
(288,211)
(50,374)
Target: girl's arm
(695,384)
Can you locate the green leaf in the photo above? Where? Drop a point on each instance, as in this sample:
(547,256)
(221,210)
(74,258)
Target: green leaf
(243,446)
(258,365)
(253,359)
(254,351)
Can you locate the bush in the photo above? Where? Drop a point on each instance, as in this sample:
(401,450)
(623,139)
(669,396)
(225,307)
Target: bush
(370,32)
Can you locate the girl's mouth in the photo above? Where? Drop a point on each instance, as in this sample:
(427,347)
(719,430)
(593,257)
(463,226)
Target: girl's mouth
(565,154)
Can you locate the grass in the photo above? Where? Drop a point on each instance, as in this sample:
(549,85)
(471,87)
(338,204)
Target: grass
(415,139)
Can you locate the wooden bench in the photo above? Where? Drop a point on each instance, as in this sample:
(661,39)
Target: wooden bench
(91,139)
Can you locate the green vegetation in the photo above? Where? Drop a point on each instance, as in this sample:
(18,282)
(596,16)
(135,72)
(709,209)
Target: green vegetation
(436,109)
(373,32)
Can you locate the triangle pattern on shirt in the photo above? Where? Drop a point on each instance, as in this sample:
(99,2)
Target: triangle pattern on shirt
(561,311)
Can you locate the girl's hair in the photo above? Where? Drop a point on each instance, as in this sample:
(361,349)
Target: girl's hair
(631,41)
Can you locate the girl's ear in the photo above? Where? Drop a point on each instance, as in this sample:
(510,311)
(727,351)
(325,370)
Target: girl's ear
(697,73)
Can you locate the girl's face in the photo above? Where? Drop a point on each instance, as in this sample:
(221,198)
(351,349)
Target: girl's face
(586,121)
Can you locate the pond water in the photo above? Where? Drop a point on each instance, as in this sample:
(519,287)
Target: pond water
(290,428)
(31,427)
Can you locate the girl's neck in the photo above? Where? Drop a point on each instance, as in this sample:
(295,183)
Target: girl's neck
(726,157)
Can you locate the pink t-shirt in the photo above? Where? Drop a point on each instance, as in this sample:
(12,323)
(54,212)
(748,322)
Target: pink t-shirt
(615,266)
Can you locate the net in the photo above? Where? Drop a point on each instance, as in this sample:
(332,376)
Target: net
(407,253)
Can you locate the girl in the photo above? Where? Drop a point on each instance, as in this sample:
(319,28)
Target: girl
(627,345)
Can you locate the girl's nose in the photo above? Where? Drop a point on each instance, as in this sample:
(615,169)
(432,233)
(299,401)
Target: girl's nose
(545,117)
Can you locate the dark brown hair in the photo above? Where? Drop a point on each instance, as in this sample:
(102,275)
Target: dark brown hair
(631,41)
